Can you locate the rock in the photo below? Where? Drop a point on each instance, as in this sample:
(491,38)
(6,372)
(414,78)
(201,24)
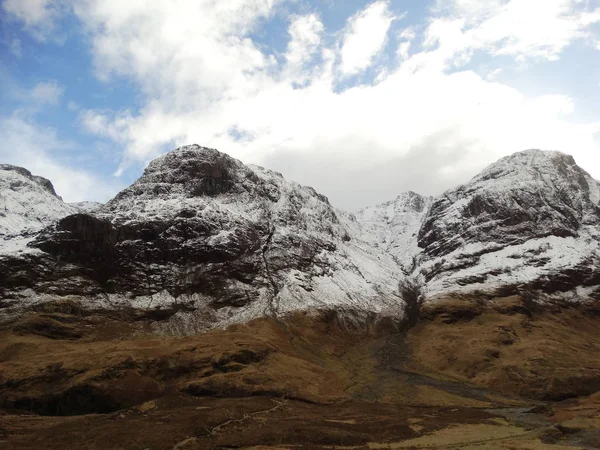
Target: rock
(202,240)
(531,219)
(393,226)
(86,207)
(27,203)
(527,195)
(201,228)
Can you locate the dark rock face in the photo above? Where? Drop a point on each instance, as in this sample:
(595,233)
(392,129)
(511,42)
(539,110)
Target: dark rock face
(524,196)
(148,256)
(194,171)
(201,224)
(531,219)
(416,202)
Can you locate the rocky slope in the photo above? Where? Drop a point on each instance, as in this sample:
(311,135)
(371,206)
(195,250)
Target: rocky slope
(303,381)
(86,207)
(28,203)
(393,227)
(202,240)
(531,219)
(211,241)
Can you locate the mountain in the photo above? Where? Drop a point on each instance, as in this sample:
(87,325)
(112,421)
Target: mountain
(456,321)
(86,207)
(28,203)
(532,220)
(393,226)
(205,240)
(212,241)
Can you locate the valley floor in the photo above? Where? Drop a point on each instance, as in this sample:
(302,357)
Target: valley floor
(469,375)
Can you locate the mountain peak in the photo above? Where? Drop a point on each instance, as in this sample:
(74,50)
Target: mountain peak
(200,170)
(393,226)
(184,156)
(412,201)
(533,154)
(187,173)
(27,202)
(516,221)
(41,181)
(532,164)
(528,194)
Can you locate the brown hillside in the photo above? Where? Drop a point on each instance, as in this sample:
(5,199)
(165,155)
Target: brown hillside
(72,378)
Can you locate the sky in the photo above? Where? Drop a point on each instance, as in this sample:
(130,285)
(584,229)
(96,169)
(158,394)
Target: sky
(361,100)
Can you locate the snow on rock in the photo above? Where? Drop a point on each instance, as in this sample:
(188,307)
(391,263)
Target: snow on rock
(234,241)
(86,206)
(214,241)
(530,219)
(27,202)
(393,226)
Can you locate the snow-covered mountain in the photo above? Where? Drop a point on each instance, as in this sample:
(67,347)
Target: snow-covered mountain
(215,241)
(530,219)
(27,202)
(393,227)
(86,206)
(227,241)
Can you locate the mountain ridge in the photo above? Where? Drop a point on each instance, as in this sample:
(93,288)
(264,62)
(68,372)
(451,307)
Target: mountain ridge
(521,221)
(28,203)
(215,305)
(213,241)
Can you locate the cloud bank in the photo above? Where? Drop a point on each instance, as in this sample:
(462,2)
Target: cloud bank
(361,113)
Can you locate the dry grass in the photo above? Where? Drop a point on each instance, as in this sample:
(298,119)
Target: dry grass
(310,381)
(549,355)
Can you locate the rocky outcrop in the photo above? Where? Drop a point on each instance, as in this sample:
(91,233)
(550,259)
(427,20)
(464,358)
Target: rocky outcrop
(527,195)
(528,220)
(86,207)
(205,240)
(27,203)
(201,228)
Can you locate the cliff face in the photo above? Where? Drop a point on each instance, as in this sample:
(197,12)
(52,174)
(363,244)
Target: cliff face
(27,202)
(227,241)
(210,241)
(531,218)
(527,195)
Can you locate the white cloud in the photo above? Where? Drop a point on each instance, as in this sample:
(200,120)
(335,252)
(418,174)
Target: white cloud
(523,29)
(305,33)
(416,127)
(199,45)
(364,37)
(33,99)
(38,16)
(46,93)
(405,40)
(492,75)
(27,144)
(187,56)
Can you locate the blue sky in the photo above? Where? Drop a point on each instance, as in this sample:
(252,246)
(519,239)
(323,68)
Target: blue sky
(360,99)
